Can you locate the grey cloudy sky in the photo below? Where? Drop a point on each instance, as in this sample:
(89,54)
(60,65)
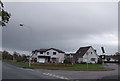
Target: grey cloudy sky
(66,26)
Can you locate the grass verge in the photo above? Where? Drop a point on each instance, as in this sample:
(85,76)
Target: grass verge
(63,66)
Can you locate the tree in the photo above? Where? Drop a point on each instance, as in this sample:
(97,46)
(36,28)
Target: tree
(68,60)
(4,15)
(7,55)
(15,56)
(19,58)
(24,58)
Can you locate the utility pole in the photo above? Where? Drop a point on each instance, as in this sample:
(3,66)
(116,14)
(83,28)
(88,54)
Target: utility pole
(87,60)
(23,25)
(30,60)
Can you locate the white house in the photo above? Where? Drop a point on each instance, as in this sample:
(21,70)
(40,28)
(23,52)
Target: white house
(86,54)
(48,55)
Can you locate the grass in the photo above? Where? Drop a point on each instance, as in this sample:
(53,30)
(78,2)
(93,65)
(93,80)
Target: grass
(60,66)
(75,66)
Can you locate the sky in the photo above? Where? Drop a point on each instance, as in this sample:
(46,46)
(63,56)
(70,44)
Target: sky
(62,25)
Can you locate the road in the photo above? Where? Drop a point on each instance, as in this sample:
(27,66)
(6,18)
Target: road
(13,72)
(0,69)
(85,74)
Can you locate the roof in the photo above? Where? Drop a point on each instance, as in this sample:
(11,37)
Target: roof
(44,50)
(81,51)
(69,53)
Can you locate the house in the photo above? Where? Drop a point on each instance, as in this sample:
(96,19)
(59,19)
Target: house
(111,58)
(69,58)
(69,55)
(86,54)
(48,55)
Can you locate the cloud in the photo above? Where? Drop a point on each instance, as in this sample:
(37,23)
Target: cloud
(66,26)
(104,39)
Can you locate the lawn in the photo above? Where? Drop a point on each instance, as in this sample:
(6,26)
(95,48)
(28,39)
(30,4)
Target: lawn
(59,66)
(64,66)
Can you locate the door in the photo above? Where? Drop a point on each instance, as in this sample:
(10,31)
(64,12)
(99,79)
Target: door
(41,60)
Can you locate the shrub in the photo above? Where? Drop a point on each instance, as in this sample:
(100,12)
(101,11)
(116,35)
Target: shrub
(67,60)
(83,63)
(99,61)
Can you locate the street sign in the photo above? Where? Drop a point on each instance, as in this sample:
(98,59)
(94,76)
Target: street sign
(103,49)
(102,56)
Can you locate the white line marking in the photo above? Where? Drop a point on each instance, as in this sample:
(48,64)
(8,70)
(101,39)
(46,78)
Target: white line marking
(53,75)
(30,69)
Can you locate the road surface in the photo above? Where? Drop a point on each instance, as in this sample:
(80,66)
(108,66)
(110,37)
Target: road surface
(13,72)
(0,69)
(113,74)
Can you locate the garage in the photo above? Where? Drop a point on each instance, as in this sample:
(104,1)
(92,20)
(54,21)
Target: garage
(41,60)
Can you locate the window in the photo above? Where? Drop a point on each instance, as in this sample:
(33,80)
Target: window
(47,53)
(92,59)
(91,52)
(41,52)
(54,53)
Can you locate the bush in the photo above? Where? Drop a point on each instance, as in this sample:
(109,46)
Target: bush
(119,61)
(83,63)
(53,64)
(99,61)
(67,60)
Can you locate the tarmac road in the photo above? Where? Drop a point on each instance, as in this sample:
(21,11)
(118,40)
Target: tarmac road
(0,69)
(13,72)
(113,74)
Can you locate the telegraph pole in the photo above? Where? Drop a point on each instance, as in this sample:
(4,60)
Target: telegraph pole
(30,57)
(29,61)
(23,25)
(87,60)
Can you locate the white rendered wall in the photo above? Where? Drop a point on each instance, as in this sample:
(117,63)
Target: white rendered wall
(87,58)
(58,55)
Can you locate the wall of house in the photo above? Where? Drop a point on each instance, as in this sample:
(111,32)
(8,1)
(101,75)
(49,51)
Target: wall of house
(91,54)
(59,56)
(80,60)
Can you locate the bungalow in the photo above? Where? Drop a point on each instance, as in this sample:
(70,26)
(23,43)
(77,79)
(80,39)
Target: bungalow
(86,54)
(48,55)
